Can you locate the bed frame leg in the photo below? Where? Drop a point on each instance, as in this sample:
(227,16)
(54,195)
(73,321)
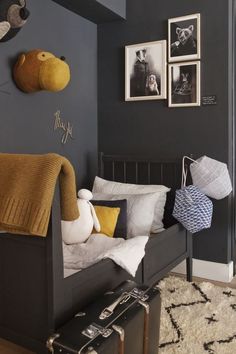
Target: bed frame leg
(189,259)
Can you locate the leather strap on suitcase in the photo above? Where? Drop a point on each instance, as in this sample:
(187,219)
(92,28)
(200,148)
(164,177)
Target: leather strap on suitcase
(121,333)
(146,326)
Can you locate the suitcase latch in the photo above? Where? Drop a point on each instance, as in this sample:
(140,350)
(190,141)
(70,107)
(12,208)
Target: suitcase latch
(93,330)
(139,294)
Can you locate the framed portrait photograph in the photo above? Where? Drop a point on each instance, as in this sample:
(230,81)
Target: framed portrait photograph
(145,71)
(184,38)
(184,84)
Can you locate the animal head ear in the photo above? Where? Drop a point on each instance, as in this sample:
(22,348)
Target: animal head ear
(4,28)
(191,28)
(178,30)
(20,60)
(96,222)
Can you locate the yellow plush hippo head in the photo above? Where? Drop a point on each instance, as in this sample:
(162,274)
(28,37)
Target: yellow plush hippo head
(39,70)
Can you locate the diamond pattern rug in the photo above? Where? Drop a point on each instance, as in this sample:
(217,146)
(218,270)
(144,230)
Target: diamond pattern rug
(197,318)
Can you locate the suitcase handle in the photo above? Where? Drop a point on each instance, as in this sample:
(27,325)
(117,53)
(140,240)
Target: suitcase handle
(108,311)
(136,293)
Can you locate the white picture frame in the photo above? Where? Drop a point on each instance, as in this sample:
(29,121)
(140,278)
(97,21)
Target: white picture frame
(184,38)
(184,84)
(146,71)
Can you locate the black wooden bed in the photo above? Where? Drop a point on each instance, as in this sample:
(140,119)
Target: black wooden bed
(35,298)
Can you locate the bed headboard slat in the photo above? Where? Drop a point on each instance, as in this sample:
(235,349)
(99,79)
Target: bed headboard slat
(161,172)
(132,169)
(136,172)
(113,170)
(149,172)
(125,175)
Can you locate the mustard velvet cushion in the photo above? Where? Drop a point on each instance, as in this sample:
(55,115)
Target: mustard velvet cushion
(121,226)
(108,219)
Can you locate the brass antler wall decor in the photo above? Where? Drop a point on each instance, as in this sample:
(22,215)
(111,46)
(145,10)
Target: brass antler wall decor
(66,127)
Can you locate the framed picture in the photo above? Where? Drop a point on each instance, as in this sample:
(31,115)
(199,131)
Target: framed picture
(184,38)
(184,84)
(145,71)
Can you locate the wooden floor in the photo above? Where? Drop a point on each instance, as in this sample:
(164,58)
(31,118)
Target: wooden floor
(9,348)
(218,283)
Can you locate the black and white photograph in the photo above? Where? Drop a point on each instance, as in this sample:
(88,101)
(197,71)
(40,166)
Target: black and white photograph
(184,84)
(145,71)
(184,38)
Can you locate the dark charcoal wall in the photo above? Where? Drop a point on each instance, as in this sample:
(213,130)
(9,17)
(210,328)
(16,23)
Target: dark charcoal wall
(150,127)
(27,119)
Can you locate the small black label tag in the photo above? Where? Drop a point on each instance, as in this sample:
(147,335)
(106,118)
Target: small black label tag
(210,100)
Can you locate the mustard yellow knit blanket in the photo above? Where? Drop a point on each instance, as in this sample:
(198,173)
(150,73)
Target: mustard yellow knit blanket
(27,185)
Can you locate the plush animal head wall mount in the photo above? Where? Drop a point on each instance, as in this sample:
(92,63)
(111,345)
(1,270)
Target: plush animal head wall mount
(39,70)
(13,16)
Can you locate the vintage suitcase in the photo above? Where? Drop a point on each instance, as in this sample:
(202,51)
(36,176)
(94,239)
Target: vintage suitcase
(125,321)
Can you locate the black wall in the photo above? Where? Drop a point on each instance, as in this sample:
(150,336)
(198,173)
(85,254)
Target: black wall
(27,119)
(151,128)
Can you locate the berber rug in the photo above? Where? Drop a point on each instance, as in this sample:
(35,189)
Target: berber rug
(197,318)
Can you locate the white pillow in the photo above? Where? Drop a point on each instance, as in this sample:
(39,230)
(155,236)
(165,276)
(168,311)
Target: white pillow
(140,211)
(103,186)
